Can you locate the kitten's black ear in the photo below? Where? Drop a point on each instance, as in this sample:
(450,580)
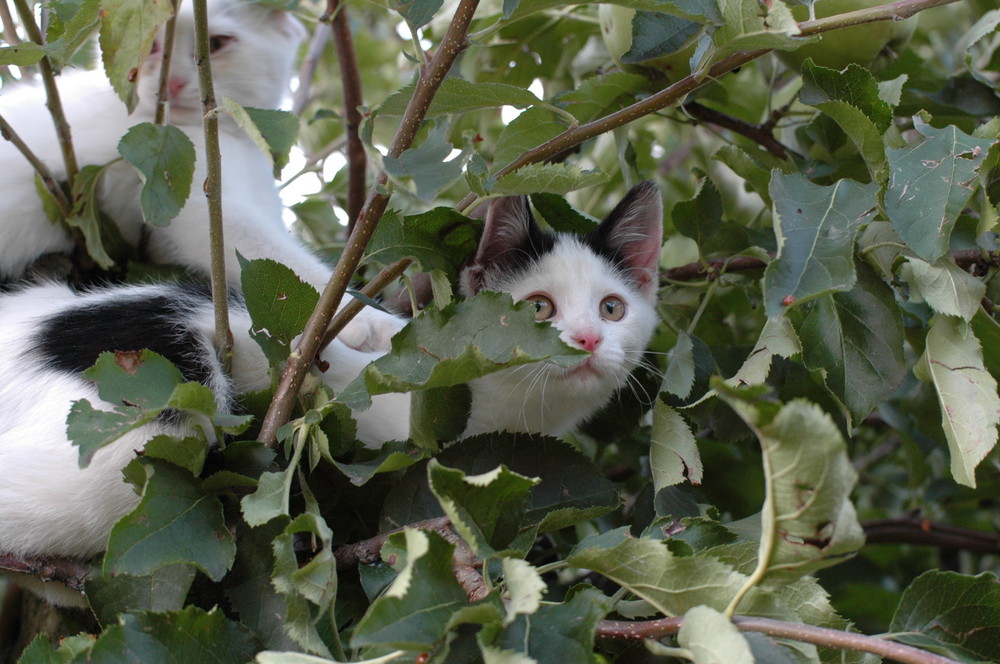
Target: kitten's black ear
(510,237)
(632,234)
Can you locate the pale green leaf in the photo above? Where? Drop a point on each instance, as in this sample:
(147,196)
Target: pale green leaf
(673,451)
(777,339)
(970,407)
(712,638)
(946,287)
(128,28)
(547,178)
(524,588)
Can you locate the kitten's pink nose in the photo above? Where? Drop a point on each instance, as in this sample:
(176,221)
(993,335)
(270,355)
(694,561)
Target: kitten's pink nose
(588,341)
(175,85)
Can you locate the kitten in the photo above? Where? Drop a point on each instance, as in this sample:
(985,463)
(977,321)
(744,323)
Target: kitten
(253,48)
(598,289)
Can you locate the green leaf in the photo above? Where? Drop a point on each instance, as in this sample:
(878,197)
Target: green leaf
(951,614)
(100,234)
(128,28)
(70,27)
(417,608)
(598,95)
(712,637)
(175,522)
(279,304)
(562,632)
(673,451)
(930,184)
(807,521)
(466,340)
(21,55)
(856,339)
(547,178)
(180,637)
(273,131)
(164,157)
(430,165)
(440,239)
(946,287)
(270,500)
(745,27)
(524,588)
(485,509)
(417,13)
(815,227)
(457,95)
(528,130)
(967,393)
(851,98)
(163,590)
(561,216)
(392,456)
(777,339)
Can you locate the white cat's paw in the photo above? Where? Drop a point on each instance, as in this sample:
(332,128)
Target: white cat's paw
(371,330)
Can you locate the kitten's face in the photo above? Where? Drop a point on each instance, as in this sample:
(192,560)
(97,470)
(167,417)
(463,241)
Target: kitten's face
(252,53)
(599,290)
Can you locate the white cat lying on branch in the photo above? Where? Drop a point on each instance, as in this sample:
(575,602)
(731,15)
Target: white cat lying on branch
(599,290)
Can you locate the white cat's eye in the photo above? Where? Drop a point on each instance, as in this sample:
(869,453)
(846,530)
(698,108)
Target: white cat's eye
(612,308)
(217,42)
(544,308)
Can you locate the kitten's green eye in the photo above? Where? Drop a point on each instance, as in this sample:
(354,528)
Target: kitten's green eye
(612,308)
(544,308)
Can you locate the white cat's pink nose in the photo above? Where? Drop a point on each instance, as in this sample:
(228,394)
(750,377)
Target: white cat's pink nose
(588,341)
(175,85)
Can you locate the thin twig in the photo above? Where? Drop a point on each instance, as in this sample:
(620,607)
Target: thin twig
(367,552)
(454,42)
(213,185)
(48,179)
(163,91)
(350,77)
(821,636)
(307,70)
(759,133)
(51,91)
(371,289)
(915,530)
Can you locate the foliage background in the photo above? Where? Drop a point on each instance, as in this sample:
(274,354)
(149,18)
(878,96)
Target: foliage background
(831,241)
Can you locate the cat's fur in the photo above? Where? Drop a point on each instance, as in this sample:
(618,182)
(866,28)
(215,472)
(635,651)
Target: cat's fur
(49,506)
(252,63)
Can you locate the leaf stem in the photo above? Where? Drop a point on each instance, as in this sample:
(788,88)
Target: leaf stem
(213,185)
(299,361)
(53,101)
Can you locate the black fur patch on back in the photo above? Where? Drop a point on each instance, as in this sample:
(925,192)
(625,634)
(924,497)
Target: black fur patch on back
(72,340)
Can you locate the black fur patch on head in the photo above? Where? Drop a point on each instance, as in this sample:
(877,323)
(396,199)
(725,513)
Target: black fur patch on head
(73,339)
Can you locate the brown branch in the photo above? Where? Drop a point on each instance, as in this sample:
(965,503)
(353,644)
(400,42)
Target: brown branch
(759,133)
(712,269)
(350,76)
(371,289)
(71,573)
(821,636)
(915,530)
(454,42)
(213,185)
(47,177)
(307,70)
(163,90)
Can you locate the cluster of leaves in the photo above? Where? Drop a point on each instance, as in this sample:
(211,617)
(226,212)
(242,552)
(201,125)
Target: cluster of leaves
(841,308)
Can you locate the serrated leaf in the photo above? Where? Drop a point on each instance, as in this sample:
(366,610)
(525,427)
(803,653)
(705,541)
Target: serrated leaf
(746,27)
(466,340)
(417,13)
(807,521)
(164,157)
(712,638)
(270,500)
(100,234)
(175,522)
(562,632)
(485,509)
(678,379)
(547,178)
(430,165)
(128,28)
(392,456)
(163,590)
(561,216)
(967,393)
(777,338)
(856,339)
(21,55)
(946,287)
(951,614)
(440,239)
(528,130)
(815,227)
(673,451)
(930,184)
(457,95)
(524,588)
(417,607)
(279,304)
(598,95)
(179,637)
(656,33)
(273,131)
(67,32)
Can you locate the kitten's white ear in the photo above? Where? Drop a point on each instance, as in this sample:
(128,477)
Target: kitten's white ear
(632,234)
(510,227)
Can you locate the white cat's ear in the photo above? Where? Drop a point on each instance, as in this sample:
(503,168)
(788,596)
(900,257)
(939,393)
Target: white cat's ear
(632,234)
(510,236)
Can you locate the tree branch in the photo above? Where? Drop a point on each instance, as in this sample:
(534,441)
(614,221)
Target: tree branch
(759,133)
(914,530)
(371,289)
(163,90)
(350,76)
(454,42)
(71,573)
(213,185)
(821,636)
(47,177)
(307,70)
